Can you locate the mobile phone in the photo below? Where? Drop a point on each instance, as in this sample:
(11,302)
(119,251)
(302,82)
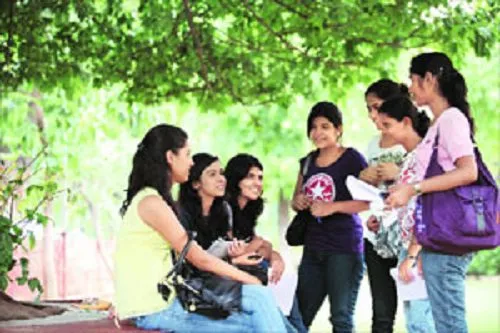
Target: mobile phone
(254,256)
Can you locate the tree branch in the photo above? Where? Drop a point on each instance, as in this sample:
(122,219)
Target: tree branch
(196,42)
(291,9)
(270,30)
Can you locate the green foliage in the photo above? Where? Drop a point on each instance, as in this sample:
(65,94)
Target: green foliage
(237,75)
(227,52)
(486,263)
(20,206)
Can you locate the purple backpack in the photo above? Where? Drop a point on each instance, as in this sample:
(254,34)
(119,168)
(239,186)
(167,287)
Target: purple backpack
(462,219)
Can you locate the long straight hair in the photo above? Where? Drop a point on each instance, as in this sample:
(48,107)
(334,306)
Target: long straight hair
(149,165)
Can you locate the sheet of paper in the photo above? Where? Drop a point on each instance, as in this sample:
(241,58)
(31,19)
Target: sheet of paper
(412,290)
(361,190)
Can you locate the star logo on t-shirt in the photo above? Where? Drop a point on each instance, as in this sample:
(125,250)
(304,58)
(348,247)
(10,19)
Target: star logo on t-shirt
(320,187)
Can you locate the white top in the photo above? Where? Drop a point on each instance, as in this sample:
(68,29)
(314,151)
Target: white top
(376,154)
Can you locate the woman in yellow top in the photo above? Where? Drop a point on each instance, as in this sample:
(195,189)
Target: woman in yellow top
(151,228)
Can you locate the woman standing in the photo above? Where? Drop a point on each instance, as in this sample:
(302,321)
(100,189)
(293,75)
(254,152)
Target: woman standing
(384,157)
(332,261)
(438,85)
(400,119)
(150,229)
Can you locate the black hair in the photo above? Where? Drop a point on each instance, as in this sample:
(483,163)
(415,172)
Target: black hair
(324,109)
(217,224)
(452,84)
(385,89)
(245,219)
(149,165)
(400,107)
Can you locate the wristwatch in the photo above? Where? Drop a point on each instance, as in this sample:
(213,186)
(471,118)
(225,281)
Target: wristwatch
(417,188)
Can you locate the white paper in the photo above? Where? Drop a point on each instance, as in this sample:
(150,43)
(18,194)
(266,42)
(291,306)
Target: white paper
(363,191)
(413,290)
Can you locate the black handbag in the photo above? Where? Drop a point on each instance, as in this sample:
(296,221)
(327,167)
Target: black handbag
(201,292)
(296,231)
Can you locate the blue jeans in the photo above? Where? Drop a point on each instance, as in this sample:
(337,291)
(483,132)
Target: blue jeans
(445,280)
(418,312)
(295,318)
(333,274)
(259,313)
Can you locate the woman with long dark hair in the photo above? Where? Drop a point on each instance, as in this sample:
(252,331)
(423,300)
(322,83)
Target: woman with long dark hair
(384,156)
(244,174)
(203,209)
(401,120)
(437,84)
(151,228)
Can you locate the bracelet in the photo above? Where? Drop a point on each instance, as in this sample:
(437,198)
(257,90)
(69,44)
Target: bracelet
(417,188)
(412,257)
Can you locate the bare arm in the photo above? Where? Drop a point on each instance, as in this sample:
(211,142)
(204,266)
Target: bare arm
(370,175)
(300,201)
(259,245)
(320,208)
(464,174)
(159,216)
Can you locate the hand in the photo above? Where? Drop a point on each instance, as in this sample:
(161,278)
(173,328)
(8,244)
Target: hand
(387,171)
(399,195)
(370,175)
(278,266)
(373,224)
(321,208)
(237,248)
(405,270)
(253,280)
(249,259)
(419,266)
(301,202)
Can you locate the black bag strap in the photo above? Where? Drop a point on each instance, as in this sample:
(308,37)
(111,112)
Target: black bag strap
(307,162)
(179,260)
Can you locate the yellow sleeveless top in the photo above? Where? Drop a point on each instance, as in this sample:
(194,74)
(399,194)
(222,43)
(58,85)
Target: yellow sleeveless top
(142,259)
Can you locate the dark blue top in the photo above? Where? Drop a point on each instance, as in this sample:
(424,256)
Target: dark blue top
(336,233)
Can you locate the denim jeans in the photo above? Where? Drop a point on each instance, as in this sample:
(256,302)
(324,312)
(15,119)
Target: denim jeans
(295,317)
(382,288)
(259,313)
(333,274)
(445,280)
(418,312)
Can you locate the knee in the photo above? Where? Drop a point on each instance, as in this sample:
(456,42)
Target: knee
(257,293)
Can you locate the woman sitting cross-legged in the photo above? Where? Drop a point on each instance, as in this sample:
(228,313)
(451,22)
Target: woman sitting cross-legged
(151,228)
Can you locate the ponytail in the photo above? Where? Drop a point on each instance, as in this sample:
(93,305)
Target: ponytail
(454,89)
(421,123)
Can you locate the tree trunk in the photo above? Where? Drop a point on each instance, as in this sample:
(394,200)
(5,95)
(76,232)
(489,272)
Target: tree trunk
(49,276)
(11,309)
(283,220)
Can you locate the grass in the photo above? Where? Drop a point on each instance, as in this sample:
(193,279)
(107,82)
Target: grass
(483,308)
